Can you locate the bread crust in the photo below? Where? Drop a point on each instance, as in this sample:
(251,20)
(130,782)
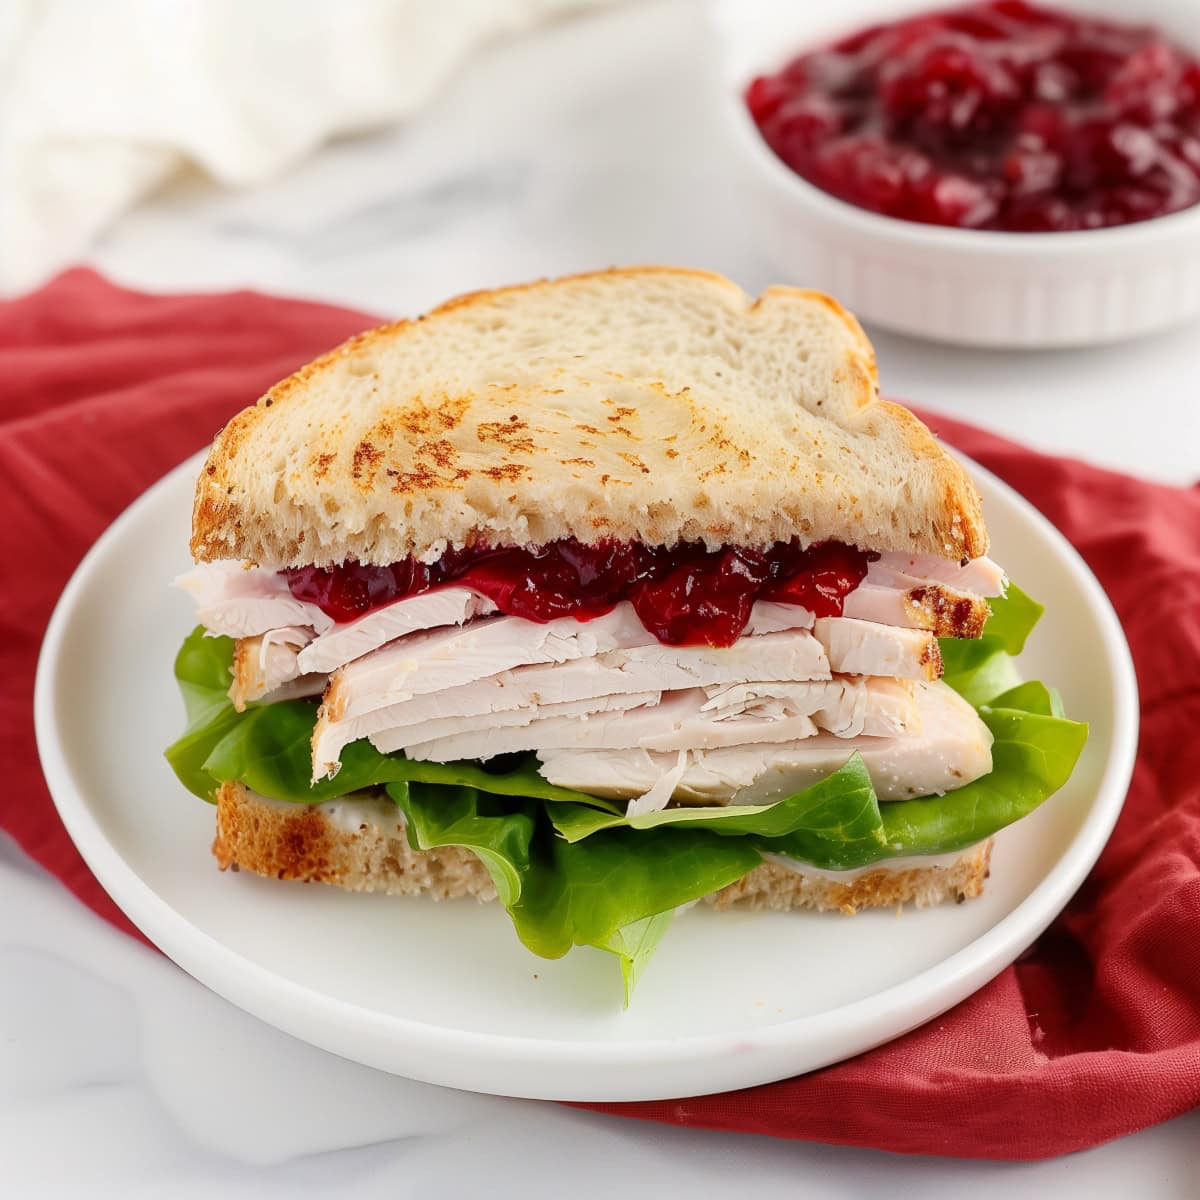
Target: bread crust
(303,842)
(647,403)
(372,854)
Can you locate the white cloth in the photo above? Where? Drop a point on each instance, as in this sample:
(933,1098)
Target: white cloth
(101,101)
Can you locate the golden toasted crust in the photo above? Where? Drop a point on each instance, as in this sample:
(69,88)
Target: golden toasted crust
(946,612)
(304,842)
(650,403)
(370,853)
(957,520)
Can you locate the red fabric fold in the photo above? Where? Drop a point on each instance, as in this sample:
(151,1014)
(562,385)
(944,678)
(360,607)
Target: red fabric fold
(1093,1034)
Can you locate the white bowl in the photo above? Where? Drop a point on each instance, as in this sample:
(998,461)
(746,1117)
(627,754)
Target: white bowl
(975,287)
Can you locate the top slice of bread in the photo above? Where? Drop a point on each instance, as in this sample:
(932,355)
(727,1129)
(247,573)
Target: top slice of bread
(649,404)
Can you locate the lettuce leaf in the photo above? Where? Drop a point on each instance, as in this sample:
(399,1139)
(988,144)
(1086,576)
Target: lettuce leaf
(978,670)
(634,945)
(616,891)
(1033,755)
(983,668)
(202,671)
(1032,697)
(1013,618)
(500,835)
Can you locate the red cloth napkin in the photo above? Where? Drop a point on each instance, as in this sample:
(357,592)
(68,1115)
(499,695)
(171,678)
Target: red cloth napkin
(1094,1034)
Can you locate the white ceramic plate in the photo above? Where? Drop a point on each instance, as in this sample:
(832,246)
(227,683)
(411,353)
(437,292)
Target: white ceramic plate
(445,993)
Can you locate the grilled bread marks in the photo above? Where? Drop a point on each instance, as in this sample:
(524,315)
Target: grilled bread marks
(513,434)
(655,377)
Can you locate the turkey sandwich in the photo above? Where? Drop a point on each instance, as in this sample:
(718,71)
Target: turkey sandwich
(602,596)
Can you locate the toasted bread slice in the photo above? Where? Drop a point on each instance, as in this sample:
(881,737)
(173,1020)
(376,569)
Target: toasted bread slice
(359,844)
(650,404)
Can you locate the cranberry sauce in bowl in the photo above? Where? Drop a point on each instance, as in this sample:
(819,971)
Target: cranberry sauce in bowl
(998,116)
(683,595)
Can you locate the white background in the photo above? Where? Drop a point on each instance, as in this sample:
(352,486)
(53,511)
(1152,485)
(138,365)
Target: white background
(587,144)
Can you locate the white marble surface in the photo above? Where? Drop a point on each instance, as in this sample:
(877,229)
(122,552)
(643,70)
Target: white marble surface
(586,144)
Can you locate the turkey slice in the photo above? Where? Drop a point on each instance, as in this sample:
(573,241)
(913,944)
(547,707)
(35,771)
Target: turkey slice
(423,665)
(952,748)
(264,663)
(267,668)
(686,720)
(517,726)
(238,601)
(914,604)
(867,648)
(845,706)
(413,614)
(788,655)
(979,575)
(445,658)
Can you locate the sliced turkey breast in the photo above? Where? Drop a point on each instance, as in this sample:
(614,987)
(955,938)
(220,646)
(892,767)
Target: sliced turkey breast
(240,601)
(789,655)
(513,726)
(427,610)
(429,662)
(937,607)
(267,668)
(845,706)
(421,667)
(620,727)
(865,648)
(264,663)
(514,718)
(696,726)
(456,606)
(769,616)
(979,575)
(952,748)
(444,658)
(696,719)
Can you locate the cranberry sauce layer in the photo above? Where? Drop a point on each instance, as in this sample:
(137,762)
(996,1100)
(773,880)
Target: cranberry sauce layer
(993,116)
(684,595)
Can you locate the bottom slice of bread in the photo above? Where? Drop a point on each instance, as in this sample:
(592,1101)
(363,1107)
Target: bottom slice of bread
(359,844)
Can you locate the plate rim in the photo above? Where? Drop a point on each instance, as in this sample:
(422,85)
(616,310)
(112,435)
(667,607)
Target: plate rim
(284,1003)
